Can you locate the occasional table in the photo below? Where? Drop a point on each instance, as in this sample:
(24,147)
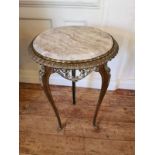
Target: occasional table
(73,52)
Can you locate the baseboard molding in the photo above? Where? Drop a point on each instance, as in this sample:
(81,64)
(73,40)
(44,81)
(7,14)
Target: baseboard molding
(96,83)
(29,76)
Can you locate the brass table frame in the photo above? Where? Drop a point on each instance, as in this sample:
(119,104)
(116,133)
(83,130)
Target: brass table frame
(50,66)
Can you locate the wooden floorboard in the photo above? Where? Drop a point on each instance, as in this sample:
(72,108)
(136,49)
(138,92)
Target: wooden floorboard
(38,126)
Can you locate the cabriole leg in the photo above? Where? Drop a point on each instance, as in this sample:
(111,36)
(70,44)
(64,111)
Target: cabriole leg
(45,73)
(105,76)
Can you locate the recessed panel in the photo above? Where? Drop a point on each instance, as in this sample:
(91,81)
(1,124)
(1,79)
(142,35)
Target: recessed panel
(29,28)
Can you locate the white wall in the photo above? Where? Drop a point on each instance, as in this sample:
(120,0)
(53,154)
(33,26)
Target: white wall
(115,17)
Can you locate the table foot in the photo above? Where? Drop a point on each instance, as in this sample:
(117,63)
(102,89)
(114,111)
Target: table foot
(105,75)
(45,73)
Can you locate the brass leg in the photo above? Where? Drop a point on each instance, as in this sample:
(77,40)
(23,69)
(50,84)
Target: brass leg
(45,74)
(73,87)
(105,75)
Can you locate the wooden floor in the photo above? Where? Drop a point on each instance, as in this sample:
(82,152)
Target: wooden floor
(38,125)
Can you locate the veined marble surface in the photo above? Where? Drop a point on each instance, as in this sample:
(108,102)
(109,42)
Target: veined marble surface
(73,43)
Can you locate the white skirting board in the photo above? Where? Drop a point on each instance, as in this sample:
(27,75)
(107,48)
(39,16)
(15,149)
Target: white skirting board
(29,76)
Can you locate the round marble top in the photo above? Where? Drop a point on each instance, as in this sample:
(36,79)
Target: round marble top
(73,43)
